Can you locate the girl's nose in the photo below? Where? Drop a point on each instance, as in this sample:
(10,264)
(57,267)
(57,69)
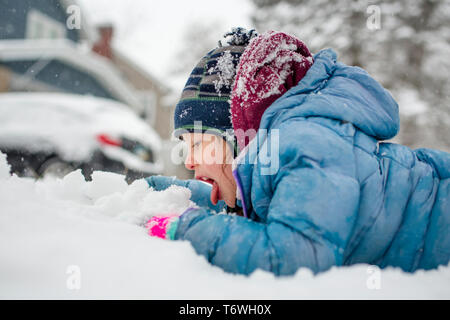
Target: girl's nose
(189,162)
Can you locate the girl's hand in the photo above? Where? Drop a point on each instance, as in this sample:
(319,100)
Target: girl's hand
(163,227)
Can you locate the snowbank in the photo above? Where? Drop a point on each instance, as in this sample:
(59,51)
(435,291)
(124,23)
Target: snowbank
(71,239)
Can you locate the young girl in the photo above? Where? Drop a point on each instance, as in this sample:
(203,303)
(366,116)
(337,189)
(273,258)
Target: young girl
(331,192)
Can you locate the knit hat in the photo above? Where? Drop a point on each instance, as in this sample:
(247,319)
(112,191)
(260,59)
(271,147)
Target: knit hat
(205,97)
(271,64)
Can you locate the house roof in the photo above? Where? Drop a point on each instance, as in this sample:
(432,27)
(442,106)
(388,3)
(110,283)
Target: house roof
(83,59)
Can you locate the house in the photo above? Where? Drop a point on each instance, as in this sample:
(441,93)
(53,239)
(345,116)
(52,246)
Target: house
(149,90)
(41,51)
(38,52)
(152,94)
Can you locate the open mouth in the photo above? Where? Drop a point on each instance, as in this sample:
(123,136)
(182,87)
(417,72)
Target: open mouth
(205,179)
(215,191)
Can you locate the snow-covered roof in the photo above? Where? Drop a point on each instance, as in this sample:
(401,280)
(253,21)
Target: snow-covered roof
(78,56)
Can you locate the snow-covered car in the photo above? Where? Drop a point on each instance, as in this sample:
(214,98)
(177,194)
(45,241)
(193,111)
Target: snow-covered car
(55,133)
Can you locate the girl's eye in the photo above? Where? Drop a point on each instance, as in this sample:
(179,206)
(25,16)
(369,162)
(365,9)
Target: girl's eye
(197,143)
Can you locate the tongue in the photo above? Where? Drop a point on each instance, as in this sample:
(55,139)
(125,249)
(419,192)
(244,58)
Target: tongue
(215,193)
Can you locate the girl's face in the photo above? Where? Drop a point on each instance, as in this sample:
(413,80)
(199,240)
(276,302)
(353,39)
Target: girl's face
(211,157)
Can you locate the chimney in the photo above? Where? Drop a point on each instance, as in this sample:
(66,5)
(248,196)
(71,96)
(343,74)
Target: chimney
(103,44)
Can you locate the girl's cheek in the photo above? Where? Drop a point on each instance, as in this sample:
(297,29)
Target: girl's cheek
(198,155)
(208,154)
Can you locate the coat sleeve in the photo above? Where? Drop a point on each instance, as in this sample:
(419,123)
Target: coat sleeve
(310,216)
(200,191)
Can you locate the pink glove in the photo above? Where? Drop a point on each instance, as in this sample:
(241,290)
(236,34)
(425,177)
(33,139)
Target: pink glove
(162,226)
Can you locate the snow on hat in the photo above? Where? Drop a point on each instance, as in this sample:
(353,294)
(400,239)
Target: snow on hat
(207,92)
(271,64)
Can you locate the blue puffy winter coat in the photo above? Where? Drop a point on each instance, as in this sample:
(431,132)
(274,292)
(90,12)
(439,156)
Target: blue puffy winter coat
(336,195)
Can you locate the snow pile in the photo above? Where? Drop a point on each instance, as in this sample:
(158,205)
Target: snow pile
(108,195)
(72,239)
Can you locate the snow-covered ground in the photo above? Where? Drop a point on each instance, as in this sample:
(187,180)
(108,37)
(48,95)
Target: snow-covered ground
(72,239)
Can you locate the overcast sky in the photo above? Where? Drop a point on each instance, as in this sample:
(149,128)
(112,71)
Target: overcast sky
(150,32)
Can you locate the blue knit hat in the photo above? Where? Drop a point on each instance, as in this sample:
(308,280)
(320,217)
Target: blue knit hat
(205,97)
